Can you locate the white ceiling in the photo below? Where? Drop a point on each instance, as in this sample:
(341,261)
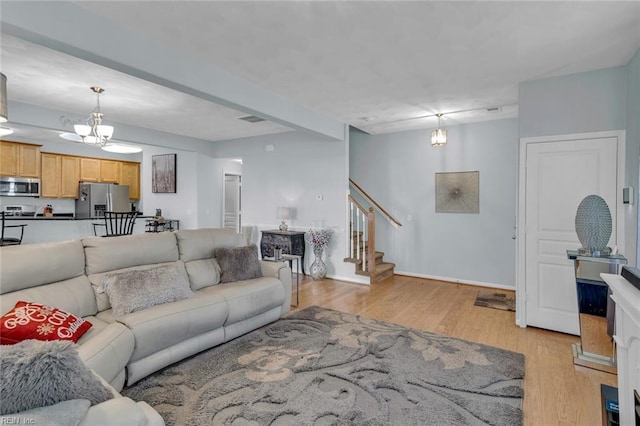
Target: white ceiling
(374,65)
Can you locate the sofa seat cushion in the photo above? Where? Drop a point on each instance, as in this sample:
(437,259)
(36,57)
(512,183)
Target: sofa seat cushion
(249,298)
(162,326)
(106,347)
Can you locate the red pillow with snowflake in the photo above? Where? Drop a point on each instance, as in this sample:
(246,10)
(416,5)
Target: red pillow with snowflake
(28,320)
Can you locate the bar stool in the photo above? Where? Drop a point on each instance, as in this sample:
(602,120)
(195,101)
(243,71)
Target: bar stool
(10,241)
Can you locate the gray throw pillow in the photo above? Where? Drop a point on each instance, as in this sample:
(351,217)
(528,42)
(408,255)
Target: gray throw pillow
(131,291)
(38,373)
(239,263)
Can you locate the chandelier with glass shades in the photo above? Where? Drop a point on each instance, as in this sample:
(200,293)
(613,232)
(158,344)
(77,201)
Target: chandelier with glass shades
(93,132)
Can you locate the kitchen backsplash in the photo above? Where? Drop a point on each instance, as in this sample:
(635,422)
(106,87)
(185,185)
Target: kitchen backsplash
(59,205)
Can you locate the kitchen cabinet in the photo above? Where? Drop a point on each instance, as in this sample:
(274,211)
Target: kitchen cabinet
(50,181)
(60,176)
(130,175)
(17,159)
(69,176)
(29,161)
(8,159)
(109,171)
(89,169)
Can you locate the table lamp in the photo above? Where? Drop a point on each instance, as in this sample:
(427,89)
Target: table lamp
(284,213)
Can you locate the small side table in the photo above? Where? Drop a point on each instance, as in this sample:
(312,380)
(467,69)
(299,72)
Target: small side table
(291,242)
(154,225)
(290,258)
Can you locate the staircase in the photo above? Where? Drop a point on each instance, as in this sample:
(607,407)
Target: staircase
(380,271)
(361,238)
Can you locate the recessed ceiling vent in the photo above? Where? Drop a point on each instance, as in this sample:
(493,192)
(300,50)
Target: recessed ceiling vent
(252,119)
(494,110)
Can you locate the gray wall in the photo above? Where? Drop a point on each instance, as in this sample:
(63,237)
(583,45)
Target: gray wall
(633,144)
(299,168)
(398,170)
(181,205)
(211,173)
(592,101)
(576,103)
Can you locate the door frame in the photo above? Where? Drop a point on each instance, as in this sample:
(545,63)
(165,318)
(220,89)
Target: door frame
(224,192)
(521,293)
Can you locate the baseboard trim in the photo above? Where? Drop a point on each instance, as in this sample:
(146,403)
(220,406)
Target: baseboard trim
(356,280)
(457,281)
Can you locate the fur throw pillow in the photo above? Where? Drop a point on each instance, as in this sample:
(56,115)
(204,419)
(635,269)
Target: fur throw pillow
(131,291)
(38,373)
(239,263)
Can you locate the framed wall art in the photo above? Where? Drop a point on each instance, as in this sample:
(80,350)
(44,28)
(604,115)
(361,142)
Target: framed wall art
(458,192)
(163,173)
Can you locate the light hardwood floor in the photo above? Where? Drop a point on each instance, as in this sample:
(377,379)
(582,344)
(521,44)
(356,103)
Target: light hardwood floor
(556,392)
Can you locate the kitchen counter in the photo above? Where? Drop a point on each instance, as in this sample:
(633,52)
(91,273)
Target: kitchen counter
(63,216)
(62,227)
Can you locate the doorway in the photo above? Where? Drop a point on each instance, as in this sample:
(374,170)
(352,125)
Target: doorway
(232,202)
(556,173)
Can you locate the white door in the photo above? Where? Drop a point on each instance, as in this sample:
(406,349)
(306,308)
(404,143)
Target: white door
(559,174)
(232,202)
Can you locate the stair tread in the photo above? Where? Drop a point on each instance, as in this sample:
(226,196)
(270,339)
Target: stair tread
(378,255)
(379,268)
(384,266)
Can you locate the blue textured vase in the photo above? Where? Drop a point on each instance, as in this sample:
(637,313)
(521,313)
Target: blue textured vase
(594,226)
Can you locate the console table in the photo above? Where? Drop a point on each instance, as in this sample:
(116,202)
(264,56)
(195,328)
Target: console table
(291,242)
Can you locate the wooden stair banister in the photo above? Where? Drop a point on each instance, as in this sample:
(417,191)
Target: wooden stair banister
(395,222)
(362,239)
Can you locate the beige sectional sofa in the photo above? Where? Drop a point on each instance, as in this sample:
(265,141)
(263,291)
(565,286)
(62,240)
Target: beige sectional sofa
(69,275)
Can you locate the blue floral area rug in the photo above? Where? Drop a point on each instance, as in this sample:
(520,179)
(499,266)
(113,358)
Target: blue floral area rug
(324,367)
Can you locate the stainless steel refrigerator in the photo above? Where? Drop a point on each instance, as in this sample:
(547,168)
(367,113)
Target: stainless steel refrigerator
(96,198)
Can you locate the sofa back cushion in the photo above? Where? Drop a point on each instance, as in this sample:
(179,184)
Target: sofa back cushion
(195,244)
(110,254)
(47,273)
(203,273)
(31,265)
(196,248)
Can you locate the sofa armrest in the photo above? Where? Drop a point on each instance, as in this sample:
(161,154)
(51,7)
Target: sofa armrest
(281,271)
(274,269)
(122,412)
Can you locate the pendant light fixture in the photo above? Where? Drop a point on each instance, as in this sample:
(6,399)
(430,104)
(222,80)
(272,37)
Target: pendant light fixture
(94,132)
(4,116)
(439,136)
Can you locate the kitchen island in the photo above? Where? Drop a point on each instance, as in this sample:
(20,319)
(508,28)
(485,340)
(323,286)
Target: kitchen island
(61,227)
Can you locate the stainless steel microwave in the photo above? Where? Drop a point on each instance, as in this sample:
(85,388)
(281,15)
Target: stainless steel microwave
(19,187)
